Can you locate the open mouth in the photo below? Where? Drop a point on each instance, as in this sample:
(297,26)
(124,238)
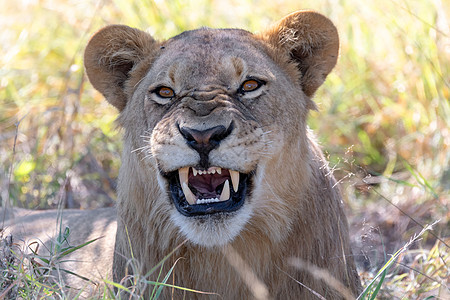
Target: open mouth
(202,192)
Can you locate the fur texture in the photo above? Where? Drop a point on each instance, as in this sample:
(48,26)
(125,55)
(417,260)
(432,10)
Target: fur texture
(292,207)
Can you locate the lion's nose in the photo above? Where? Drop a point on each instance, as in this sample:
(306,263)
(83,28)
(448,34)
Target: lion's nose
(203,141)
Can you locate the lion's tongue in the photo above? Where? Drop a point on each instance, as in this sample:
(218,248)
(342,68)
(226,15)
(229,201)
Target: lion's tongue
(206,185)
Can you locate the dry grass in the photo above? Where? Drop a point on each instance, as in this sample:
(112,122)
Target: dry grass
(384,116)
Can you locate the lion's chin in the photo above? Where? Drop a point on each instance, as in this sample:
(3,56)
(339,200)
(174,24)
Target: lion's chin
(212,230)
(212,192)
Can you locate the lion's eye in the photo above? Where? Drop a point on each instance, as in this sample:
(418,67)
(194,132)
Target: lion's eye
(164,92)
(250,85)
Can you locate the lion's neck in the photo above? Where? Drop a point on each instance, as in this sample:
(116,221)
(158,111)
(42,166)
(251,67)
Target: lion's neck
(263,244)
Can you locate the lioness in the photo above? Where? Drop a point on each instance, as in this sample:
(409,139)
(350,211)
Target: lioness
(217,152)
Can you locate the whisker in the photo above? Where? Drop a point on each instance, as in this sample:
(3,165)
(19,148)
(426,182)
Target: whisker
(266,132)
(137,83)
(141,149)
(150,155)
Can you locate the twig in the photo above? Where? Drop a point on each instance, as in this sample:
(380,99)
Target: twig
(412,219)
(324,275)
(7,203)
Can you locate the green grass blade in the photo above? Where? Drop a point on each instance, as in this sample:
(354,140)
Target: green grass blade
(378,286)
(158,292)
(117,285)
(154,290)
(75,248)
(77,275)
(164,259)
(421,180)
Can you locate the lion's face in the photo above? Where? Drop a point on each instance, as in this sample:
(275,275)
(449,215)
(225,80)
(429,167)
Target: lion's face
(210,109)
(213,102)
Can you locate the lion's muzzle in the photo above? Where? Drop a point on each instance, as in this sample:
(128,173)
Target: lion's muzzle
(203,141)
(205,189)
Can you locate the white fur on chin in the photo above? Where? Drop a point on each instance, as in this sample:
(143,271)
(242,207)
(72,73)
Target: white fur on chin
(210,231)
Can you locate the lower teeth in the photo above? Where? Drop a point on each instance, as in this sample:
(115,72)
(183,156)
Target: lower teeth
(204,201)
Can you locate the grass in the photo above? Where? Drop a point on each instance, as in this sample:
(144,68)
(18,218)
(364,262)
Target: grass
(372,289)
(27,273)
(383,118)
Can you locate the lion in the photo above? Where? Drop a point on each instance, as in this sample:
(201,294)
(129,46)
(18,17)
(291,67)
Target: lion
(219,167)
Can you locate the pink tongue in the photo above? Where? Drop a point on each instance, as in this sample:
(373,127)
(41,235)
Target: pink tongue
(206,184)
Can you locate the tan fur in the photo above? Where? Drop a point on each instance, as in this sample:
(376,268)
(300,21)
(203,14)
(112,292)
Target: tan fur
(294,209)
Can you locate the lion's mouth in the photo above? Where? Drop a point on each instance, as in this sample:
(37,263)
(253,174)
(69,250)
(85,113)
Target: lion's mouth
(201,192)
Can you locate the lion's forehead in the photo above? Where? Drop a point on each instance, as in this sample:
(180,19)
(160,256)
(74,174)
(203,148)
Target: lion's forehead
(207,54)
(206,40)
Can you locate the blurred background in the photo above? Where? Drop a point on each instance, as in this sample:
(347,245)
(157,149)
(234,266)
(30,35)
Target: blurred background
(383,118)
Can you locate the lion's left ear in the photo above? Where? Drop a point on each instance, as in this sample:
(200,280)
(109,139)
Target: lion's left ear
(311,41)
(110,56)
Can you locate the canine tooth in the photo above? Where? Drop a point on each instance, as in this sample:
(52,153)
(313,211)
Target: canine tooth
(190,198)
(183,174)
(234,179)
(225,195)
(219,171)
(194,171)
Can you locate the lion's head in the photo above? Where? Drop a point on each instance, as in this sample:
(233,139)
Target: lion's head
(217,116)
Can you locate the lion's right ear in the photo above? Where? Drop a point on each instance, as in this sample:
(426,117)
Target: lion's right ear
(311,41)
(111,55)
